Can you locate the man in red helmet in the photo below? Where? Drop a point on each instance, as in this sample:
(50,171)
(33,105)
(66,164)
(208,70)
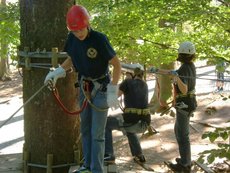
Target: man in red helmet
(90,53)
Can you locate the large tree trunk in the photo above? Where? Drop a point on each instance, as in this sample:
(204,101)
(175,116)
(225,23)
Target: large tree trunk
(48,130)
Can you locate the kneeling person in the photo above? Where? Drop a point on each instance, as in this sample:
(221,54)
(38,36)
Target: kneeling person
(135,119)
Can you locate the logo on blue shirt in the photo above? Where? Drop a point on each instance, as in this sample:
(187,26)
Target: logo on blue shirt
(92,53)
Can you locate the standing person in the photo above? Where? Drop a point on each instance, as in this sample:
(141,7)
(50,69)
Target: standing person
(135,119)
(220,69)
(184,81)
(90,53)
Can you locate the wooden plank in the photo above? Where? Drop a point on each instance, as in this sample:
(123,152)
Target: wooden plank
(204,167)
(107,169)
(112,168)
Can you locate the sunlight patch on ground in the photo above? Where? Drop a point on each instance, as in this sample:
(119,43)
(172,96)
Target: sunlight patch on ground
(165,127)
(12,134)
(117,133)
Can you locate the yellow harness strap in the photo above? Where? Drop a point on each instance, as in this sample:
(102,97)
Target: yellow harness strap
(137,111)
(189,94)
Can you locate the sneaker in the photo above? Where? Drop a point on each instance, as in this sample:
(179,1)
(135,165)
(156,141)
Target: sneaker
(140,158)
(109,159)
(180,168)
(82,169)
(178,160)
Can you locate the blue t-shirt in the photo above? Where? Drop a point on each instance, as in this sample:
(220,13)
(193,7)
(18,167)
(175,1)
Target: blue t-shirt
(135,96)
(187,73)
(135,93)
(90,56)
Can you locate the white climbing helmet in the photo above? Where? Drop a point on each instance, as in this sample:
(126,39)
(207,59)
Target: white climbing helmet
(187,47)
(138,66)
(132,66)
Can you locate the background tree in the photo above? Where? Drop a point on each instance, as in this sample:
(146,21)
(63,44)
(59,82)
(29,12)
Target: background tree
(9,35)
(48,130)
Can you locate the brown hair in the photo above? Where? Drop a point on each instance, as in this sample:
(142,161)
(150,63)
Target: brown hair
(138,72)
(185,58)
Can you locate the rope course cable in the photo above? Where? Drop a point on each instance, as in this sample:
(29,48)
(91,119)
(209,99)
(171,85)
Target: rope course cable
(196,77)
(87,100)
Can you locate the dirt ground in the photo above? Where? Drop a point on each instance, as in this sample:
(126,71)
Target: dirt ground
(157,148)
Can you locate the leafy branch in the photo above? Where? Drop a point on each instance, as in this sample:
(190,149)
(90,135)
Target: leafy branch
(223,150)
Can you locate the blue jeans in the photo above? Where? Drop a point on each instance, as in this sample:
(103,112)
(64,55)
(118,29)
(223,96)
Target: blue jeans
(117,123)
(93,131)
(181,130)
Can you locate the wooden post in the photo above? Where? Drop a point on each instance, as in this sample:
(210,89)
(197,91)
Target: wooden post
(25,161)
(27,59)
(54,58)
(49,163)
(77,157)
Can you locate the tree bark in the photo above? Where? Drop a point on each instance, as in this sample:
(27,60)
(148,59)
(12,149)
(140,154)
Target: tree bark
(48,130)
(163,91)
(4,68)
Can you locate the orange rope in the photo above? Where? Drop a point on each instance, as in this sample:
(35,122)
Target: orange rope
(57,97)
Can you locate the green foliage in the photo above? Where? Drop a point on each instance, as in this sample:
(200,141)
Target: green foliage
(9,29)
(223,150)
(149,31)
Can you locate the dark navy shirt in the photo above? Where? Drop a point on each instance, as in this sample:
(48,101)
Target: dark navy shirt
(135,93)
(135,96)
(187,73)
(90,56)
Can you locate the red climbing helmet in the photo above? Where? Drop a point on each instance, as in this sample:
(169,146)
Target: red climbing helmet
(77,18)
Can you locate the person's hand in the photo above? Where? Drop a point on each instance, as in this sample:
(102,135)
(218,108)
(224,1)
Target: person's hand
(173,72)
(53,75)
(153,70)
(174,75)
(112,96)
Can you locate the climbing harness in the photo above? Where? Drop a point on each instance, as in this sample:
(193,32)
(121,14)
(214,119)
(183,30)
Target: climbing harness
(190,94)
(84,85)
(36,93)
(137,111)
(89,95)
